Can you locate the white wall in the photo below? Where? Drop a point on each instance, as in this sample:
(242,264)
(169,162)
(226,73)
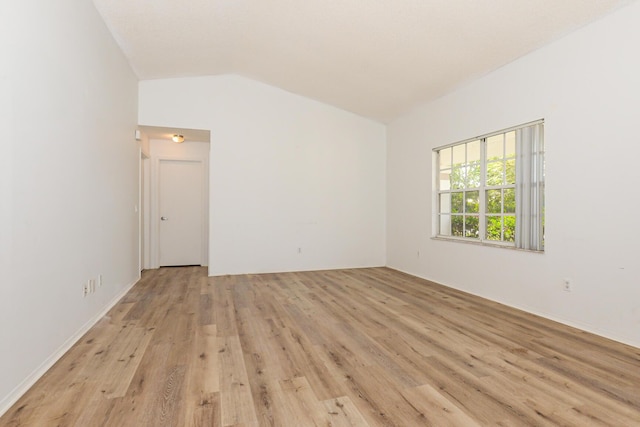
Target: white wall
(69,182)
(586,87)
(286,172)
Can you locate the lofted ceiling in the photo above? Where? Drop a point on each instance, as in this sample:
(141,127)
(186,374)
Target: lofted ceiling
(376,58)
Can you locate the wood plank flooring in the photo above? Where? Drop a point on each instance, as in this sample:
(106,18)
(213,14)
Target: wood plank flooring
(361,347)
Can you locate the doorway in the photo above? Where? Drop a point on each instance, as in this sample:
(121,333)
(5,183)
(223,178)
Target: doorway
(180,201)
(178,211)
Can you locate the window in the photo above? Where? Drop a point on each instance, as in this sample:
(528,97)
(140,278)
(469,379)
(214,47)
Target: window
(491,188)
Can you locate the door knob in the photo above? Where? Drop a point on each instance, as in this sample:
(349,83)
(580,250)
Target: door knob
(163,218)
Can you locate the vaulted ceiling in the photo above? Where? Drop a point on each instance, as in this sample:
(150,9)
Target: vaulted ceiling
(376,58)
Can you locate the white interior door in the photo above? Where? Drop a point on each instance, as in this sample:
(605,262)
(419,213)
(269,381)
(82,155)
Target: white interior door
(181,212)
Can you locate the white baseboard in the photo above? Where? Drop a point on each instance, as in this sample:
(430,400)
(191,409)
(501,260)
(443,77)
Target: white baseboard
(9,400)
(592,329)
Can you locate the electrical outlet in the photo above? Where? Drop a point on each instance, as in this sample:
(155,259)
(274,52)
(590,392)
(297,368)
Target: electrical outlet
(566,285)
(85,289)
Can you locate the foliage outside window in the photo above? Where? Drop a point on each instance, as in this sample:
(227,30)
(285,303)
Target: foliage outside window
(491,188)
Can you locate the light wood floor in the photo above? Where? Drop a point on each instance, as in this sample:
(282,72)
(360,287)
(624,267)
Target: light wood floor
(364,347)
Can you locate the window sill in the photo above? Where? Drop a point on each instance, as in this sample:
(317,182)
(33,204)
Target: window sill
(480,243)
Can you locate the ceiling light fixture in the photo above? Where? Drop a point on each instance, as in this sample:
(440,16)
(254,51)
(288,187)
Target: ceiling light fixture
(177,138)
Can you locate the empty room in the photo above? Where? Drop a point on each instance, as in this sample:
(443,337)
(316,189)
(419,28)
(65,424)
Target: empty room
(321,213)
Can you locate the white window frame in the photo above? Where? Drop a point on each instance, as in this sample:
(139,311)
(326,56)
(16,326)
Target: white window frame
(529,206)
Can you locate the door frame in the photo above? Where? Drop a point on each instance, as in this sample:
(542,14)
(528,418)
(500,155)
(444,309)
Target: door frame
(154,237)
(143,211)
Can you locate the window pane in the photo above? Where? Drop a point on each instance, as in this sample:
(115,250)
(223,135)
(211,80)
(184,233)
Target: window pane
(445,158)
(495,147)
(457,225)
(473,175)
(456,202)
(458,155)
(457,178)
(445,225)
(510,171)
(495,173)
(445,179)
(473,151)
(479,182)
(494,201)
(471,226)
(445,203)
(509,228)
(494,228)
(510,144)
(510,200)
(472,202)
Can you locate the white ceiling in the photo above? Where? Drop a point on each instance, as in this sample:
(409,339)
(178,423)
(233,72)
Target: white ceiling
(376,58)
